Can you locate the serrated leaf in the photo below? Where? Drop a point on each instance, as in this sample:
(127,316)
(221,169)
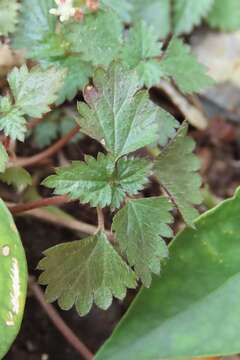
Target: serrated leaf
(139,228)
(12,123)
(197,293)
(8,16)
(176,169)
(16,176)
(13,280)
(100,181)
(167,127)
(34,24)
(225,15)
(189,13)
(116,114)
(97,38)
(36,89)
(139,51)
(83,272)
(155,13)
(179,64)
(122,8)
(3,158)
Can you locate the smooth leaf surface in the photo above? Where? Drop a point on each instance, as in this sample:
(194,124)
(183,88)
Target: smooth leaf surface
(176,169)
(122,8)
(192,310)
(140,226)
(13,280)
(83,272)
(117,114)
(225,15)
(16,176)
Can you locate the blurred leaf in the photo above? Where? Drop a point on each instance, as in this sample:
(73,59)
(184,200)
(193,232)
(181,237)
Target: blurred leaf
(225,15)
(122,8)
(8,16)
(16,176)
(3,158)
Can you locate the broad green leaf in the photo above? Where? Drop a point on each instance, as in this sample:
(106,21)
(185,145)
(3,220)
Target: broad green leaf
(8,16)
(156,13)
(141,47)
(179,64)
(176,169)
(139,228)
(122,8)
(97,38)
(83,272)
(34,24)
(16,176)
(122,118)
(225,15)
(100,181)
(3,158)
(191,311)
(36,89)
(189,13)
(13,280)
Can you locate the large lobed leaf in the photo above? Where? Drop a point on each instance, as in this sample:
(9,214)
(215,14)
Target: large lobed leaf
(176,169)
(83,272)
(197,293)
(100,181)
(140,226)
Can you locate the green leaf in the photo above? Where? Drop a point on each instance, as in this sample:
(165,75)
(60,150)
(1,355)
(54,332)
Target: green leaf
(13,280)
(141,47)
(139,228)
(167,127)
(97,38)
(197,293)
(179,64)
(3,158)
(36,89)
(156,13)
(122,118)
(45,132)
(100,181)
(16,176)
(12,121)
(8,16)
(189,13)
(176,169)
(83,272)
(34,24)
(225,15)
(122,8)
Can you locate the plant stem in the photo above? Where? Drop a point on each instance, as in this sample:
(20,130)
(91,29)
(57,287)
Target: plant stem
(59,323)
(33,160)
(100,216)
(55,200)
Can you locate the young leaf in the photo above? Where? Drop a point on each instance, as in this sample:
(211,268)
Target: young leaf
(100,181)
(156,13)
(83,272)
(178,63)
(12,121)
(176,170)
(35,90)
(139,228)
(122,8)
(189,13)
(225,15)
(141,47)
(3,158)
(97,38)
(16,176)
(8,16)
(116,114)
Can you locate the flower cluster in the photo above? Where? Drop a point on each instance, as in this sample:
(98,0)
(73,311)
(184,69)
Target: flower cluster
(66,10)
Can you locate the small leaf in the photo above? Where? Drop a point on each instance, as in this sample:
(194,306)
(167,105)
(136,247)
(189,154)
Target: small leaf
(3,158)
(225,15)
(176,169)
(16,176)
(139,228)
(116,114)
(178,63)
(83,272)
(13,280)
(167,127)
(35,90)
(97,38)
(100,181)
(8,16)
(12,121)
(197,293)
(189,13)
